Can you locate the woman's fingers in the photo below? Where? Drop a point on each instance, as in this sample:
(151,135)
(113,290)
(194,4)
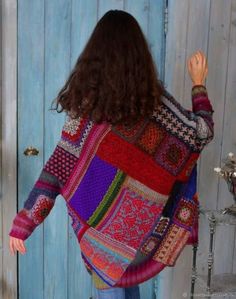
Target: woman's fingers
(189,64)
(11,246)
(19,246)
(16,244)
(200,58)
(23,246)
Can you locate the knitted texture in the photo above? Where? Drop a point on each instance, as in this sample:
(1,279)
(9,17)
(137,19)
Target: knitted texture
(130,191)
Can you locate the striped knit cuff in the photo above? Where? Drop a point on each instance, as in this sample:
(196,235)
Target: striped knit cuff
(22,226)
(200,99)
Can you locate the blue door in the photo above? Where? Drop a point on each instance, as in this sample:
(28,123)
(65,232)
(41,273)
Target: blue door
(51,35)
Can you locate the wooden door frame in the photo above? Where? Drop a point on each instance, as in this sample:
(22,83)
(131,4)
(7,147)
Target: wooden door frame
(8,148)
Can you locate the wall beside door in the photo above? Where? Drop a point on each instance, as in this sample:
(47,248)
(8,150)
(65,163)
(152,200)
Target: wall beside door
(209,25)
(8,144)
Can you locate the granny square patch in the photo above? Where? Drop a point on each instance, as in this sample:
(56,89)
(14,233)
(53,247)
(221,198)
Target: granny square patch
(41,208)
(74,134)
(130,134)
(172,154)
(185,213)
(75,128)
(151,138)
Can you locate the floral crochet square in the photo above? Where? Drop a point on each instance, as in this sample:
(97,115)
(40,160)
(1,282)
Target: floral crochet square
(172,154)
(151,138)
(185,213)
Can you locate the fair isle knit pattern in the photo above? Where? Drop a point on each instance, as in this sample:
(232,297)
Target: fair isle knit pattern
(130,191)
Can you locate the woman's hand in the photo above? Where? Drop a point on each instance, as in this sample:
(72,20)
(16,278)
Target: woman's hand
(197,68)
(16,244)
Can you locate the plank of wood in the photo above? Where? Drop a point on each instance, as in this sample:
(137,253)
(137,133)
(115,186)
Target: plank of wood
(8,264)
(216,82)
(57,67)
(156,35)
(30,133)
(229,141)
(176,48)
(140,10)
(219,35)
(228,135)
(83,21)
(196,38)
(1,153)
(105,5)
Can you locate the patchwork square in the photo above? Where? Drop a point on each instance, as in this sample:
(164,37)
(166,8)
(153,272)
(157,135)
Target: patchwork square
(107,200)
(60,164)
(171,245)
(161,226)
(172,154)
(74,134)
(93,187)
(149,245)
(41,208)
(130,218)
(74,128)
(108,257)
(151,138)
(130,133)
(185,213)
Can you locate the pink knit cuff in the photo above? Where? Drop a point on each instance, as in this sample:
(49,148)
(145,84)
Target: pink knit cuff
(22,226)
(200,99)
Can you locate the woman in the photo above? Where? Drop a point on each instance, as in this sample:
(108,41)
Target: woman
(125,162)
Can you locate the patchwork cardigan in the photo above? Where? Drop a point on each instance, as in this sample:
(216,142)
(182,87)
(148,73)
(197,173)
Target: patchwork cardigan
(130,191)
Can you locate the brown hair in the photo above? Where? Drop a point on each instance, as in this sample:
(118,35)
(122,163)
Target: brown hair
(114,78)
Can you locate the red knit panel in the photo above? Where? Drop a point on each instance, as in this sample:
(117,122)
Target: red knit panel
(188,167)
(133,214)
(135,163)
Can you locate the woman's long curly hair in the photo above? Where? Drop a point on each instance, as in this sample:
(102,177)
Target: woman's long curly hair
(114,79)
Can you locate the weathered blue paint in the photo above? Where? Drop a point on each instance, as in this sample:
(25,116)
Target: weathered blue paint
(57,66)
(51,35)
(30,132)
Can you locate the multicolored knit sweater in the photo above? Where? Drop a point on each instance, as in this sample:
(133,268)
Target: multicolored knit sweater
(130,191)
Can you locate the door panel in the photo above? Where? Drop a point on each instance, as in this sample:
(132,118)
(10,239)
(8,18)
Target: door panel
(51,35)
(30,133)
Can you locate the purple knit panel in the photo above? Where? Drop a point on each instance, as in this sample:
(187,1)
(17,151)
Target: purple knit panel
(93,187)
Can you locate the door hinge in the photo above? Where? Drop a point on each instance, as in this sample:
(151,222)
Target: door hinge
(166,19)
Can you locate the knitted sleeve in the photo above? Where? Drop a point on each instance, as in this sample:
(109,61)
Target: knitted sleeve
(200,117)
(202,113)
(41,198)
